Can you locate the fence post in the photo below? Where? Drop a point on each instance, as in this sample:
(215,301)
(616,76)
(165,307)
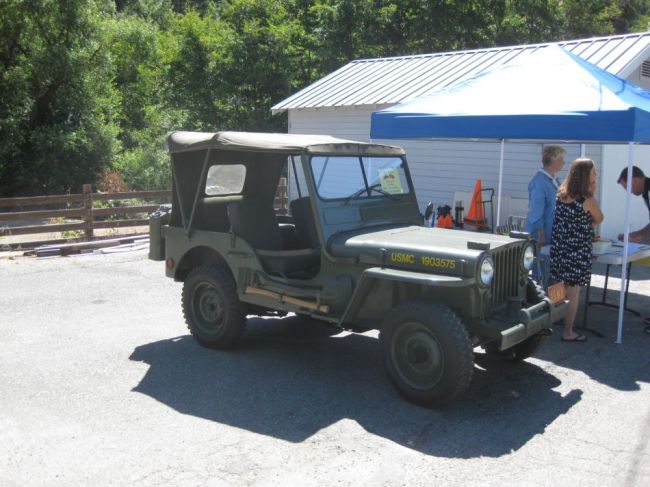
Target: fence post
(88,206)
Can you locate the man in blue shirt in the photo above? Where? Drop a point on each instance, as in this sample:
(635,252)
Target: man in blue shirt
(542,191)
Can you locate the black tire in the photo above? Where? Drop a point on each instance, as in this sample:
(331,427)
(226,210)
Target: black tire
(527,348)
(211,307)
(427,353)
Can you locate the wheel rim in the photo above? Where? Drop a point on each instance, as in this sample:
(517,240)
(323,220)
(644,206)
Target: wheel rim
(208,308)
(418,358)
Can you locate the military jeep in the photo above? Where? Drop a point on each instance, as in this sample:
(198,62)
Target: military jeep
(351,251)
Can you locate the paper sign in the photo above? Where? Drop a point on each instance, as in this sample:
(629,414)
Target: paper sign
(556,293)
(390,182)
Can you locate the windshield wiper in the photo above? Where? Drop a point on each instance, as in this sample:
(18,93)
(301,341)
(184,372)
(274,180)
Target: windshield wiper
(375,187)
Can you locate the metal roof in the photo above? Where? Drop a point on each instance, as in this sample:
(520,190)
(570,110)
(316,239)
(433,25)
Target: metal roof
(391,80)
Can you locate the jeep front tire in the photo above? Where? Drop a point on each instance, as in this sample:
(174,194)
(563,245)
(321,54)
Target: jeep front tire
(427,353)
(211,307)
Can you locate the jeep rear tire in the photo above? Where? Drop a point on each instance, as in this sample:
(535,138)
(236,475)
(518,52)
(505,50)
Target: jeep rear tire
(211,307)
(427,353)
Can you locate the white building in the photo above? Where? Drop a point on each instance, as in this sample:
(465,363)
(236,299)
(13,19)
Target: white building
(341,103)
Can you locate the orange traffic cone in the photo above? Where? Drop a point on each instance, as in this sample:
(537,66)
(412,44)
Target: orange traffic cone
(475,216)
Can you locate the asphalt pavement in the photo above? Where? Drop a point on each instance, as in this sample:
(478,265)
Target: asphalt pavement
(101,384)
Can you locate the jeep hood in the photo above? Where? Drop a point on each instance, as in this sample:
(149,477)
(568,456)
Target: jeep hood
(418,247)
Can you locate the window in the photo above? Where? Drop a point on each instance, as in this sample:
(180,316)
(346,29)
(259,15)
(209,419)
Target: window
(645,69)
(358,177)
(226,179)
(297,180)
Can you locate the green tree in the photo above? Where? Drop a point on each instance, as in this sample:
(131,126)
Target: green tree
(193,49)
(134,47)
(58,105)
(261,62)
(225,69)
(450,25)
(528,21)
(89,85)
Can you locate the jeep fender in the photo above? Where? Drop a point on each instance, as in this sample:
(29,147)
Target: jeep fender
(197,256)
(372,275)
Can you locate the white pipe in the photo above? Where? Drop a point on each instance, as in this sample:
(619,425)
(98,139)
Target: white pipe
(583,151)
(626,240)
(495,225)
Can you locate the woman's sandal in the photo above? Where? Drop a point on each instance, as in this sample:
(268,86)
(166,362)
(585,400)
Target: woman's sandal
(577,338)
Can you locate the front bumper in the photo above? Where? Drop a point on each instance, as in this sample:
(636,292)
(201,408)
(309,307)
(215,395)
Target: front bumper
(531,321)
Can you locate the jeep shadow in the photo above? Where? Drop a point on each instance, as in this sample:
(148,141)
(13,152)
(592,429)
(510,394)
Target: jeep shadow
(292,377)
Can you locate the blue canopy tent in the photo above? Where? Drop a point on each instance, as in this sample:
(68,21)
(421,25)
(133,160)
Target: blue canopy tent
(549,94)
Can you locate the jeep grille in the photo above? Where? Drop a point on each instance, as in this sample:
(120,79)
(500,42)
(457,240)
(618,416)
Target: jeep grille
(506,274)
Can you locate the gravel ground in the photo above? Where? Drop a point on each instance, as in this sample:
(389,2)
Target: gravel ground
(100,384)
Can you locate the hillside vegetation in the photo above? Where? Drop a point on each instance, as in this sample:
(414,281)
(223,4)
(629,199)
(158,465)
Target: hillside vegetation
(93,86)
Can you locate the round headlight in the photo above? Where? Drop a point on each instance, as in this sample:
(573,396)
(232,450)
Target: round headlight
(528,257)
(486,271)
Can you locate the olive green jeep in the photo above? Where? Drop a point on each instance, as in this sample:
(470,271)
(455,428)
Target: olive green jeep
(351,251)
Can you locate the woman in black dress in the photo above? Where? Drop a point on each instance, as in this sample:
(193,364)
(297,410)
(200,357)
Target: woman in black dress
(576,214)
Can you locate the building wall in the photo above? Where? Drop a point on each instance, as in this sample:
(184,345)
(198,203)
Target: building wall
(639,79)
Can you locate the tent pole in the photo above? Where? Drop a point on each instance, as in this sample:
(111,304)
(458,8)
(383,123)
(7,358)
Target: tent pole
(495,225)
(626,240)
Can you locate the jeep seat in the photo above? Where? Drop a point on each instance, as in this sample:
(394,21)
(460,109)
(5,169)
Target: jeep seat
(254,221)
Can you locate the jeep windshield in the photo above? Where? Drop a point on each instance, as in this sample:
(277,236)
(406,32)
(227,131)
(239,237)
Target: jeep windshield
(358,177)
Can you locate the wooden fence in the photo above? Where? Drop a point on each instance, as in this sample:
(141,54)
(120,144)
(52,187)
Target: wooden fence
(81,207)
(90,217)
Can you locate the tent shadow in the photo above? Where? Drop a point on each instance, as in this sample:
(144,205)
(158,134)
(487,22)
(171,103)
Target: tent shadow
(290,378)
(620,366)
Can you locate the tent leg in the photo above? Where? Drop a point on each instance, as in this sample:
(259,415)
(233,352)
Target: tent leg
(496,224)
(626,241)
